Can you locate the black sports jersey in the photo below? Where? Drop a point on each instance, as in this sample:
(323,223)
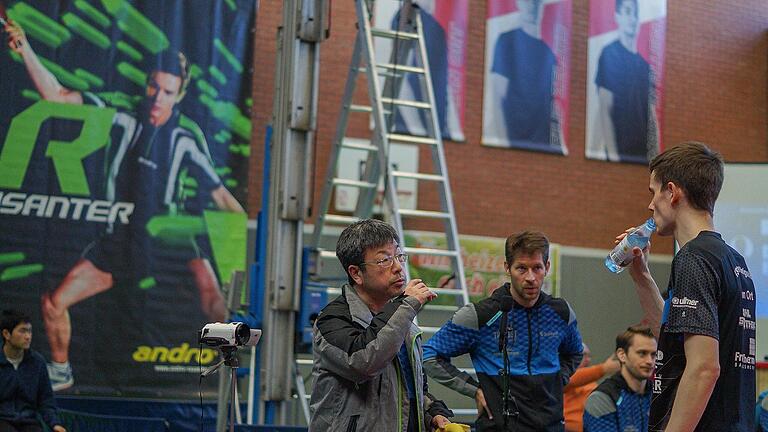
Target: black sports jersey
(710,293)
(147,166)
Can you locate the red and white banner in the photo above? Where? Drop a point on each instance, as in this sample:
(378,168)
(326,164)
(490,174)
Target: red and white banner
(527,74)
(444,24)
(625,86)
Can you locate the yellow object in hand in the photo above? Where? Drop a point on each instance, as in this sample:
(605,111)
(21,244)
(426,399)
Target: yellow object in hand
(455,427)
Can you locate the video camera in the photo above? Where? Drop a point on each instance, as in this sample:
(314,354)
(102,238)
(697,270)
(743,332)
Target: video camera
(233,334)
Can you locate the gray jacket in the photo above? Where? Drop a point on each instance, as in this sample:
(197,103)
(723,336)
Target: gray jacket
(358,384)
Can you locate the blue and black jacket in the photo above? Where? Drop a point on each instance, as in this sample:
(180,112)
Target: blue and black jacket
(614,407)
(544,348)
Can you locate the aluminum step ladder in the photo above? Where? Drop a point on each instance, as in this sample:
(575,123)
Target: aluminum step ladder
(384,79)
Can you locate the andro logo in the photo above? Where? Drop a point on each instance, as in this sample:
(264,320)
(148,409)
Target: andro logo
(175,355)
(684,302)
(548,333)
(741,271)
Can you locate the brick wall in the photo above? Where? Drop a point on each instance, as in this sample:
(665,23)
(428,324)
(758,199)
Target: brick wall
(716,76)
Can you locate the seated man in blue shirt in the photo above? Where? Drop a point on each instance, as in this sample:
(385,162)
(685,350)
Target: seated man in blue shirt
(25,390)
(622,402)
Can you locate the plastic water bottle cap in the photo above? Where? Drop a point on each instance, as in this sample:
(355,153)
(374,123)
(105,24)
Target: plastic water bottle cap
(651,223)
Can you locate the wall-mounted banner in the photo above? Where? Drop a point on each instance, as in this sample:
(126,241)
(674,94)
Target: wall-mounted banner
(527,74)
(445,32)
(124,143)
(625,86)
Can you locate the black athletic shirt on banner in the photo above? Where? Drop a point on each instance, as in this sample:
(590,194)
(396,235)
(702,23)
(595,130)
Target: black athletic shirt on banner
(528,63)
(710,293)
(628,77)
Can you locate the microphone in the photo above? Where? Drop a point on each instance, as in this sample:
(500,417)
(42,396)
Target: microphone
(506,303)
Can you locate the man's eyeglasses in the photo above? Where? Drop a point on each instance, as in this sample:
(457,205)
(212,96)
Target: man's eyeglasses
(387,261)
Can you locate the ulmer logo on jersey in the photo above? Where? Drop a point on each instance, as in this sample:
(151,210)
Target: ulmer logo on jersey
(742,271)
(684,302)
(59,207)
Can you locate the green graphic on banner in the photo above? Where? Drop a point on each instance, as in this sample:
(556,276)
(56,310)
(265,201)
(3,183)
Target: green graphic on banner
(92,13)
(11,258)
(86,30)
(135,25)
(130,51)
(132,73)
(38,25)
(67,156)
(19,272)
(228,245)
(231,58)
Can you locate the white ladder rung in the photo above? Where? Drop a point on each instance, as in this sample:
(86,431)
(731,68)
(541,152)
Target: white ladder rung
(418,176)
(429,214)
(400,67)
(405,102)
(340,220)
(393,34)
(327,254)
(356,145)
(353,183)
(429,251)
(410,139)
(364,109)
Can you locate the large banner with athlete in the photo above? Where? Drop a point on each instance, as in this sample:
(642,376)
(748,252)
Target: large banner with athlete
(625,86)
(444,24)
(124,144)
(527,74)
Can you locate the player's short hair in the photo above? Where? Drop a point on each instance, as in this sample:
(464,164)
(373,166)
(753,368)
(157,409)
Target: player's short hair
(528,243)
(173,62)
(10,318)
(625,338)
(695,168)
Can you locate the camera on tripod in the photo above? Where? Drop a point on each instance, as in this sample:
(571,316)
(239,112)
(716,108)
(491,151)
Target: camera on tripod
(233,334)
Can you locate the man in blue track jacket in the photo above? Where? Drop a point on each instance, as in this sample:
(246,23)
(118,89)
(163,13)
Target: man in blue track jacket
(543,343)
(621,402)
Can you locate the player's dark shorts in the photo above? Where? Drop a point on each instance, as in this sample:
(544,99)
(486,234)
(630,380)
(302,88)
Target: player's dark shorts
(137,257)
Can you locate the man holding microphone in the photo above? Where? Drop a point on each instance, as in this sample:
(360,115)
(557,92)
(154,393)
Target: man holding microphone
(367,370)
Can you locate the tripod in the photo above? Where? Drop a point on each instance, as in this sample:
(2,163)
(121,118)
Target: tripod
(229,359)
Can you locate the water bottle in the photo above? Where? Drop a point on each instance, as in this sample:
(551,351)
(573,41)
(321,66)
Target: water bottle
(621,255)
